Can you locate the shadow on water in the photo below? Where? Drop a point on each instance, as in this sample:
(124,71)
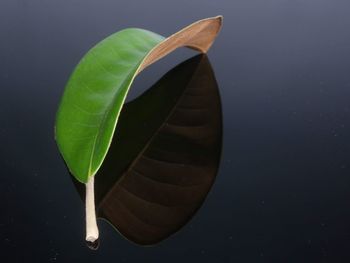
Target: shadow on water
(164,156)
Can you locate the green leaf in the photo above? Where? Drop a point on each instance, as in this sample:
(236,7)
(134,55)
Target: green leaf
(95,93)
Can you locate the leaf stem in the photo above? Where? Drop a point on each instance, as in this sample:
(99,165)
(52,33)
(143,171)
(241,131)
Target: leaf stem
(91,225)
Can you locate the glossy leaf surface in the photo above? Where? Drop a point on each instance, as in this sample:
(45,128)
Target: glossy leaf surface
(96,90)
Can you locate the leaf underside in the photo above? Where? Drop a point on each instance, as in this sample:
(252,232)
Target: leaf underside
(95,93)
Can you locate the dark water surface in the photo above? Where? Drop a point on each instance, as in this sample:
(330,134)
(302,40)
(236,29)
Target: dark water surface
(282,193)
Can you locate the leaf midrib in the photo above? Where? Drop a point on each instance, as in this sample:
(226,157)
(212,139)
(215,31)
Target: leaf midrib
(108,110)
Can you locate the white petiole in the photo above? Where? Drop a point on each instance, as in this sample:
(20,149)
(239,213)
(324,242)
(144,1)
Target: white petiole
(91,225)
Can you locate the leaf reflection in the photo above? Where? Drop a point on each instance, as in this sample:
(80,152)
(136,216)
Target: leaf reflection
(164,156)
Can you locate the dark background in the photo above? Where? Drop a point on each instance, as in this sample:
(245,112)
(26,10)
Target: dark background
(283,189)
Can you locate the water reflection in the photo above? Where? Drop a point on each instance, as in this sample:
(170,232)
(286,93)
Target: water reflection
(165,155)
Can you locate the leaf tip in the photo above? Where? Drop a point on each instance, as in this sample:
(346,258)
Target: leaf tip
(220,19)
